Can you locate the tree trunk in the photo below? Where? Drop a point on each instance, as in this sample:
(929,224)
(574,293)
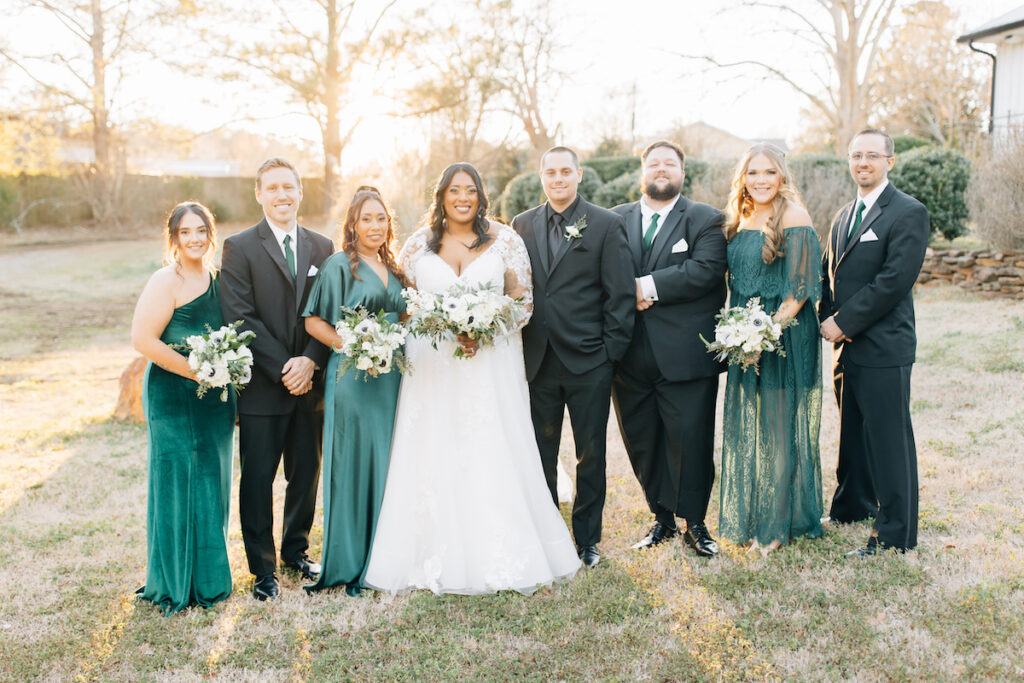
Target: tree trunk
(332,129)
(102,185)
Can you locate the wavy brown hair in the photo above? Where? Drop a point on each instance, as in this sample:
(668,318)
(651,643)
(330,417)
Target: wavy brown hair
(741,204)
(349,237)
(438,222)
(172,243)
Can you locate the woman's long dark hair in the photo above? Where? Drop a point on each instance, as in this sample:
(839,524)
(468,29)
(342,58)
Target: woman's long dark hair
(349,237)
(437,220)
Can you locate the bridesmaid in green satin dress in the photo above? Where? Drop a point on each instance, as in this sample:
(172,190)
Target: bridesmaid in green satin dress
(771,469)
(190,439)
(359,415)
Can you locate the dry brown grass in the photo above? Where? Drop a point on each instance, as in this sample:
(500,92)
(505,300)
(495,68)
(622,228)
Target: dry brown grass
(72,538)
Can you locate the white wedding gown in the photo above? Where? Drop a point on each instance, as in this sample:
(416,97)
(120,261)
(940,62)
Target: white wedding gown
(466,508)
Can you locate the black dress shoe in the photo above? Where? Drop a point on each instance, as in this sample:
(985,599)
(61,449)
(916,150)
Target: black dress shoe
(697,537)
(658,534)
(302,565)
(589,555)
(266,588)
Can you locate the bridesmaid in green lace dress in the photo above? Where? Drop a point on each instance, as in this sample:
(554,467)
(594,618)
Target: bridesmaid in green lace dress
(771,470)
(190,438)
(359,414)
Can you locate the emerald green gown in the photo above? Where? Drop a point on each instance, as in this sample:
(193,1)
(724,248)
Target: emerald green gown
(771,469)
(190,447)
(359,417)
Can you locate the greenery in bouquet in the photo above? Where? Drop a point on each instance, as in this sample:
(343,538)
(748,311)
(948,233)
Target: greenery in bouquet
(370,343)
(220,358)
(743,333)
(479,313)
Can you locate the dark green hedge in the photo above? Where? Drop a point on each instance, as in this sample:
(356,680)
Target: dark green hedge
(938,178)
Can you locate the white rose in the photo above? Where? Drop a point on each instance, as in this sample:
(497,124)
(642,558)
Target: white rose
(364,363)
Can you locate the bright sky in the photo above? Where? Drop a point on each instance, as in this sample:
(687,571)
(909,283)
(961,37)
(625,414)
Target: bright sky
(610,50)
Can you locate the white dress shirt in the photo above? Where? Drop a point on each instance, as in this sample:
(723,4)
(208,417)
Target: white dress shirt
(650,292)
(280,233)
(871,198)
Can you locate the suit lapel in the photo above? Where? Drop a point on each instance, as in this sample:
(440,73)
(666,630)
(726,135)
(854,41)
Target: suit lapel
(303,254)
(540,236)
(634,235)
(273,250)
(665,232)
(563,245)
(873,213)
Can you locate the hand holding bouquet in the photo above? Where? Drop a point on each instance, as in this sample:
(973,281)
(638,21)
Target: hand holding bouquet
(370,343)
(744,332)
(479,314)
(219,358)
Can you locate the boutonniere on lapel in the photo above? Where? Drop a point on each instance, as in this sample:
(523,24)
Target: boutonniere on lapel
(575,231)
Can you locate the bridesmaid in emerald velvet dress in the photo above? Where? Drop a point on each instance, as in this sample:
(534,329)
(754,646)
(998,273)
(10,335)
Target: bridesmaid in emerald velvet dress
(190,438)
(358,415)
(771,469)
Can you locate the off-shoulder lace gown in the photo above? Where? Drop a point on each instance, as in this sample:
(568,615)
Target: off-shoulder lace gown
(771,470)
(466,508)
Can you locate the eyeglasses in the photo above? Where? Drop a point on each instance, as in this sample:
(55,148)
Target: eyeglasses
(857,157)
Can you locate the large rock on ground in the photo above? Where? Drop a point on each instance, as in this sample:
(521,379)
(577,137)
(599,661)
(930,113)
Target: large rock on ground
(129,398)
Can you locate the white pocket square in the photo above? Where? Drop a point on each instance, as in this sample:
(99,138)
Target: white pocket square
(869,236)
(312,271)
(680,246)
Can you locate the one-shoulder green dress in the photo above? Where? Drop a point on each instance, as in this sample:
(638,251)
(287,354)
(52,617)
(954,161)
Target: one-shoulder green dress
(359,417)
(771,468)
(190,447)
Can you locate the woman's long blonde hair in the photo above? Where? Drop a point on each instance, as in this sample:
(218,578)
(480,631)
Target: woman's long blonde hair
(741,204)
(172,245)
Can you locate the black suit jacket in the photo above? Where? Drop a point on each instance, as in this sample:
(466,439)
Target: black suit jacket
(257,289)
(868,286)
(688,262)
(583,296)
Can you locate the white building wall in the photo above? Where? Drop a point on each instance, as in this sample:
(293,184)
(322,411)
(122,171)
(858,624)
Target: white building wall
(1009,95)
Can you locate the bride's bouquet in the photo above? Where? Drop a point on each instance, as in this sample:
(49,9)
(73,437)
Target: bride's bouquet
(370,343)
(219,358)
(479,313)
(742,333)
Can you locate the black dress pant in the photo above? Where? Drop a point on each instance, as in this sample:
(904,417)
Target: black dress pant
(668,429)
(877,468)
(588,398)
(263,439)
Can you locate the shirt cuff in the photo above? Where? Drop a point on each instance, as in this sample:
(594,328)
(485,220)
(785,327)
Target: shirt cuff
(647,287)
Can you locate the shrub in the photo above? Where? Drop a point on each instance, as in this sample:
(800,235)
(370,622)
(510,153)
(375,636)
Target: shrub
(995,195)
(936,177)
(611,168)
(8,203)
(621,190)
(590,184)
(905,143)
(825,185)
(707,182)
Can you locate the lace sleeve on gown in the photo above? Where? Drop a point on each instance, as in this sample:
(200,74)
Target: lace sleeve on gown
(803,264)
(518,276)
(412,251)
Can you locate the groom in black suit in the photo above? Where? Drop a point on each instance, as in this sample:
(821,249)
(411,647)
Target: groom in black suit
(266,274)
(875,250)
(582,319)
(666,386)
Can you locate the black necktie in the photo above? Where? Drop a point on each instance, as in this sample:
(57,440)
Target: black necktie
(555,233)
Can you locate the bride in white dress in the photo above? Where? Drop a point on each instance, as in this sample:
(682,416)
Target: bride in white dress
(466,508)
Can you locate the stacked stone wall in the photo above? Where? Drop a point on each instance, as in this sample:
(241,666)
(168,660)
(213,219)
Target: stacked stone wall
(986,271)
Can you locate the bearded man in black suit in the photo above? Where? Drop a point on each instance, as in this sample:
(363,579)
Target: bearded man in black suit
(266,274)
(875,250)
(666,386)
(582,320)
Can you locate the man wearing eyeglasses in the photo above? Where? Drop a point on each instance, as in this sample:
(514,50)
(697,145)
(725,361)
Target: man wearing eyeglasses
(875,250)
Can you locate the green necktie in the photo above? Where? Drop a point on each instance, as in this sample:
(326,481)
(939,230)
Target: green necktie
(289,255)
(856,219)
(649,235)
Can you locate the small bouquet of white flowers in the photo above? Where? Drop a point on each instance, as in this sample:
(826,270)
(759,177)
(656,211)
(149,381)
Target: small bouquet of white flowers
(744,332)
(219,358)
(370,343)
(479,313)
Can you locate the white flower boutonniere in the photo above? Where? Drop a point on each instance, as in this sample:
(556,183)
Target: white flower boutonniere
(575,231)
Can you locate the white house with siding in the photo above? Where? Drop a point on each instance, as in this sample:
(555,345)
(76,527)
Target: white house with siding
(1006,33)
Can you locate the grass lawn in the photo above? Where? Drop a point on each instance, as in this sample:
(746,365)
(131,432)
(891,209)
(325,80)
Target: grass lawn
(72,538)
